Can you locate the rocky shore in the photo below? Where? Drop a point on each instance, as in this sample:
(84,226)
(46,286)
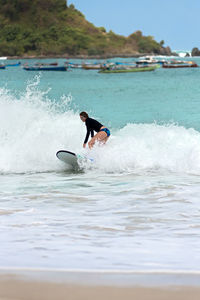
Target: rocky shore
(195,52)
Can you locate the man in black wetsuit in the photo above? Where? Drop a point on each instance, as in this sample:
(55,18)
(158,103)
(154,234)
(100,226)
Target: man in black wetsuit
(92,125)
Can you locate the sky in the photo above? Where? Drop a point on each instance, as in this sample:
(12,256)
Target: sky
(177,22)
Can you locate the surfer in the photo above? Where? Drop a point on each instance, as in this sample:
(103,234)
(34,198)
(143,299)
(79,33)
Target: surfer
(92,125)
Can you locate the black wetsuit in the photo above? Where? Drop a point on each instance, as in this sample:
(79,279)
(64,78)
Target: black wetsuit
(92,125)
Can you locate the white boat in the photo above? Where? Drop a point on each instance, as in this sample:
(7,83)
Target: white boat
(3,57)
(150,60)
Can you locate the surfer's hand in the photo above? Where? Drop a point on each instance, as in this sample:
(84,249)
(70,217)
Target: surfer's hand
(84,145)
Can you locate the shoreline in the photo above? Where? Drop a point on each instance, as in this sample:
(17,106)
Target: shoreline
(151,278)
(46,285)
(65,56)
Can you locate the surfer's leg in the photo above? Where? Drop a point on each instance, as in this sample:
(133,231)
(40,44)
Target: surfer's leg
(101,136)
(91,143)
(105,140)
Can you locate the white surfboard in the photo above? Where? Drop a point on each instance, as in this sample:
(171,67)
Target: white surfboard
(70,158)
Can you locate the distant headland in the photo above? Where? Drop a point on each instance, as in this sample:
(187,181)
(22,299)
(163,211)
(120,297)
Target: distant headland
(52,28)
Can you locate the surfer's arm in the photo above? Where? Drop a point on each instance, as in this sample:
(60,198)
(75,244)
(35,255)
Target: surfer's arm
(87,135)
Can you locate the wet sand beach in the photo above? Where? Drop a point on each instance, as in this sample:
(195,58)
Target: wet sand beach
(89,286)
(31,290)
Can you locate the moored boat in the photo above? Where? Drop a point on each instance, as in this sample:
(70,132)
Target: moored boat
(115,69)
(73,65)
(45,68)
(91,66)
(46,64)
(2,67)
(13,65)
(150,60)
(183,64)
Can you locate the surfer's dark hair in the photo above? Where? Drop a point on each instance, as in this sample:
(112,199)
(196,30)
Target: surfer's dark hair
(84,114)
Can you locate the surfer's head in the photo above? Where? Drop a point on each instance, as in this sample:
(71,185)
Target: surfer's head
(83,116)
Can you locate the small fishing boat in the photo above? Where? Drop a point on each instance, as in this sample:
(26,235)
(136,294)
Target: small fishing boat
(73,65)
(45,68)
(115,69)
(46,64)
(183,64)
(176,61)
(91,66)
(13,65)
(150,60)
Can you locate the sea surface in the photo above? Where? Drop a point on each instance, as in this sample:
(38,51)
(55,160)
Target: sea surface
(136,206)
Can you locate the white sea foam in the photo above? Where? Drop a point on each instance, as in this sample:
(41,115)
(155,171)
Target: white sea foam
(33,128)
(150,146)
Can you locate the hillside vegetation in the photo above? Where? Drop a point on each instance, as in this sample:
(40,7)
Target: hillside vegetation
(50,27)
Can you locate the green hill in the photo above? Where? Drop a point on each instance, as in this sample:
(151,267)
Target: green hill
(50,27)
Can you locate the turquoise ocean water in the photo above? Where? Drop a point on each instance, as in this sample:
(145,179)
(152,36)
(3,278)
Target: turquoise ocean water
(137,206)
